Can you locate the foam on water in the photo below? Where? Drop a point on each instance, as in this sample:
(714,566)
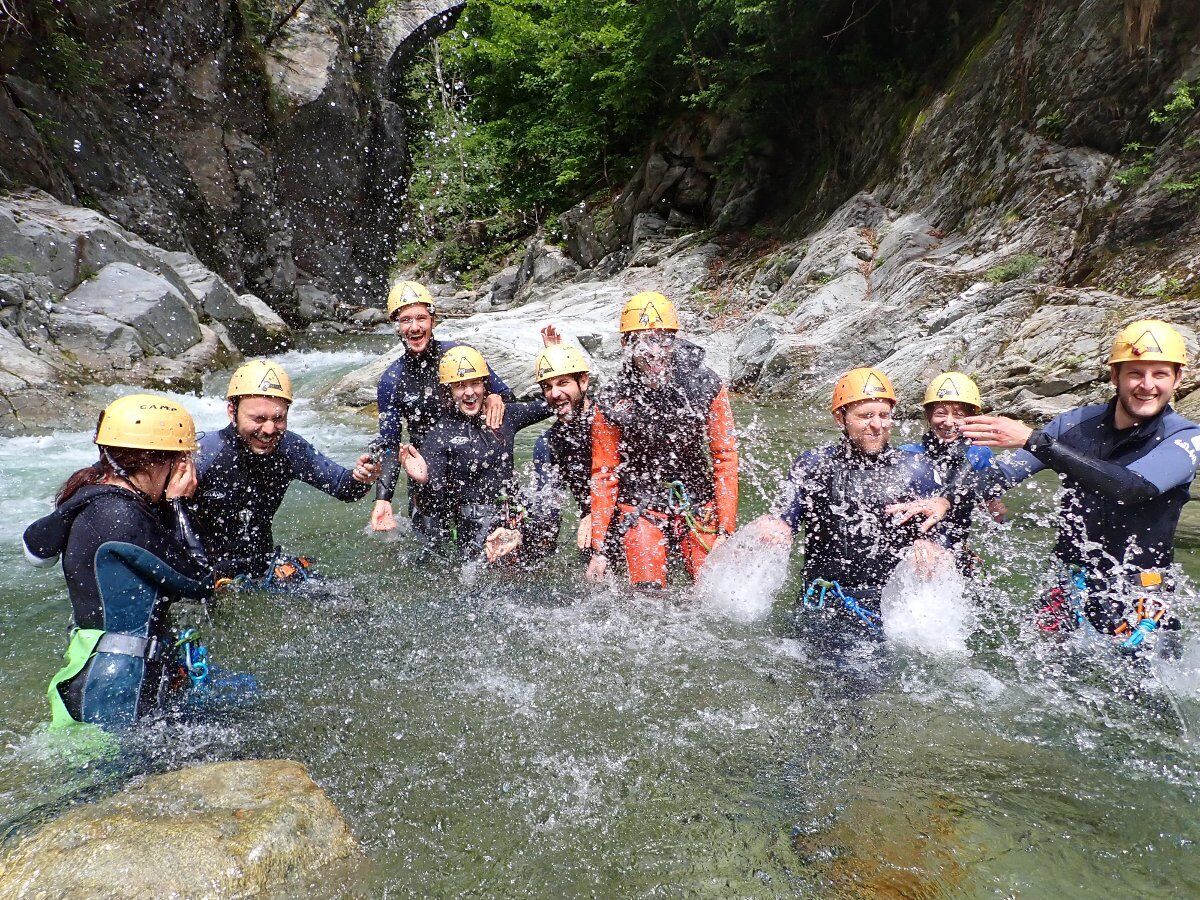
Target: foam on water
(742,577)
(933,615)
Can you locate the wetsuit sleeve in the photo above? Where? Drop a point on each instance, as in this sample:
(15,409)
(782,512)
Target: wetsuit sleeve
(436,452)
(722,447)
(496,385)
(122,522)
(1166,466)
(385,487)
(606,438)
(316,469)
(525,414)
(539,533)
(391,423)
(151,568)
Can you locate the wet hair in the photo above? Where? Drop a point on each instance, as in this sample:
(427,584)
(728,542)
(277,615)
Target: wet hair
(121,462)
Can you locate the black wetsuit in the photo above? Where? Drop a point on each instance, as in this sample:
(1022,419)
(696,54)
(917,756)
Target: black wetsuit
(562,464)
(1124,492)
(470,472)
(838,495)
(240,492)
(968,476)
(125,563)
(409,392)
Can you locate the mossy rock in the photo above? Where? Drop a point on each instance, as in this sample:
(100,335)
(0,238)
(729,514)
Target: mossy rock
(228,829)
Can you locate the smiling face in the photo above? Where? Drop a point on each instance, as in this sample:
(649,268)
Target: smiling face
(468,396)
(868,424)
(946,418)
(564,394)
(260,422)
(414,323)
(1143,389)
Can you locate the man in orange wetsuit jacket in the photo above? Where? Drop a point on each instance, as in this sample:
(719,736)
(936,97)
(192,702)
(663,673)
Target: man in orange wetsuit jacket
(664,454)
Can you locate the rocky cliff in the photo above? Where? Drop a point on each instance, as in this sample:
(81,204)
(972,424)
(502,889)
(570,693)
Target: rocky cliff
(1006,224)
(260,137)
(163,169)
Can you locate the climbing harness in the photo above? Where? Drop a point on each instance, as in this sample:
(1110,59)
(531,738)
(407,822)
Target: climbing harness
(1064,608)
(1148,614)
(818,589)
(679,503)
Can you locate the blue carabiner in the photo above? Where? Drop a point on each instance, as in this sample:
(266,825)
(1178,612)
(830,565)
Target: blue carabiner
(1140,631)
(824,585)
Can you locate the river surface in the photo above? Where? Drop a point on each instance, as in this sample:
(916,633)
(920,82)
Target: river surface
(496,736)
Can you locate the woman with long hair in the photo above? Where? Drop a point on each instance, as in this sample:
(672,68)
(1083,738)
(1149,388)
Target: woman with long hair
(127,554)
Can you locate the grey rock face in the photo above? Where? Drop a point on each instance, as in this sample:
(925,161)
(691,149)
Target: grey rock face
(165,324)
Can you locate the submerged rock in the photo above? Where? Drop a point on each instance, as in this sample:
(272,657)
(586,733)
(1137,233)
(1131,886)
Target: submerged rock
(227,829)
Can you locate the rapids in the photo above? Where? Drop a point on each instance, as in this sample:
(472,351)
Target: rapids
(495,735)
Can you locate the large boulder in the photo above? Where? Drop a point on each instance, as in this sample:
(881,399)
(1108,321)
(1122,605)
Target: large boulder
(271,334)
(164,321)
(219,830)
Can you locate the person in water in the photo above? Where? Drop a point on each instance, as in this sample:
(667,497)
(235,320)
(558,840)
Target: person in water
(562,456)
(664,453)
(245,470)
(466,466)
(961,469)
(409,393)
(127,554)
(862,504)
(1127,466)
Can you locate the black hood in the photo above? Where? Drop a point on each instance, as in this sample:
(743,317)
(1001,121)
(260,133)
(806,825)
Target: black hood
(47,537)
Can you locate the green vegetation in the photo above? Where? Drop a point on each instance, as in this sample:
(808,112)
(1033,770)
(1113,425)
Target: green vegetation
(1144,157)
(1169,287)
(1140,169)
(1011,269)
(1181,105)
(543,102)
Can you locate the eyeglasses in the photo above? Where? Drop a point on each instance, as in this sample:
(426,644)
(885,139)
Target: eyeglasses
(652,337)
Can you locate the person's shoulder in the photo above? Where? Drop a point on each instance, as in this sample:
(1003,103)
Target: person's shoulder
(915,449)
(1077,416)
(292,443)
(1177,425)
(214,442)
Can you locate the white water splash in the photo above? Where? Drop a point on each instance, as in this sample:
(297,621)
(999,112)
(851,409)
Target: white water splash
(742,577)
(933,615)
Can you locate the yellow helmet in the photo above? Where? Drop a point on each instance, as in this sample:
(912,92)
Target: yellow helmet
(862,384)
(559,359)
(953,387)
(260,378)
(648,310)
(146,422)
(406,293)
(1148,340)
(462,363)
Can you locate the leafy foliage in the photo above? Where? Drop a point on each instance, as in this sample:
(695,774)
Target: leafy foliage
(563,94)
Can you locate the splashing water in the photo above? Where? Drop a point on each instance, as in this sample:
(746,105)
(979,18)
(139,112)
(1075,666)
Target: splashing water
(933,615)
(742,577)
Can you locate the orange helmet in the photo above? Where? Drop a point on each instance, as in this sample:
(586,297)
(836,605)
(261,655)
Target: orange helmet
(649,310)
(862,384)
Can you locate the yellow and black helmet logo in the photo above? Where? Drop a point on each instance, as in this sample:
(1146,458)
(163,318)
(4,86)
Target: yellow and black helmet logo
(260,377)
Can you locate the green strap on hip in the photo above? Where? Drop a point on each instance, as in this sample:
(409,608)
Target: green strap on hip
(79,651)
